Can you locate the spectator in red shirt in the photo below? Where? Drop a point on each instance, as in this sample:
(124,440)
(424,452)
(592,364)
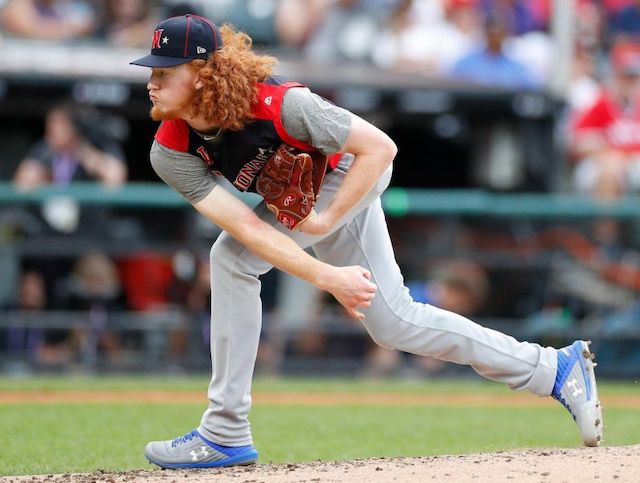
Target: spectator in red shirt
(606,136)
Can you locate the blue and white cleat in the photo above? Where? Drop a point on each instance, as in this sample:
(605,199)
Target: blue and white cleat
(194,451)
(575,388)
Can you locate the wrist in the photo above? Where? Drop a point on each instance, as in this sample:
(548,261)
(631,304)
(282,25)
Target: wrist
(329,217)
(322,278)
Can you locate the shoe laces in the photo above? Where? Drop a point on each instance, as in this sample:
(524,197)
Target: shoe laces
(184,439)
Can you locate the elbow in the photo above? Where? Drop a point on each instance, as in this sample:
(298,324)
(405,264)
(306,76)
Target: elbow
(393,150)
(389,151)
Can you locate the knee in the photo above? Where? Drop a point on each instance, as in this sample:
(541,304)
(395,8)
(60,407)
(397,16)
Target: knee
(384,342)
(395,340)
(382,336)
(400,329)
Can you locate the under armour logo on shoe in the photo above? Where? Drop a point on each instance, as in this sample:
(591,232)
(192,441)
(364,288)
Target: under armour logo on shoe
(202,453)
(573,384)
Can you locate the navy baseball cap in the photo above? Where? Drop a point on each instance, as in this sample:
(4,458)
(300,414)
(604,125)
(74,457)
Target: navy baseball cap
(178,40)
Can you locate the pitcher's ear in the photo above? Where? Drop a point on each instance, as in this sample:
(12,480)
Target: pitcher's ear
(198,84)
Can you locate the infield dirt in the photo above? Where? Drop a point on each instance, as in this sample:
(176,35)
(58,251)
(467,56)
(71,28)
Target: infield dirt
(605,464)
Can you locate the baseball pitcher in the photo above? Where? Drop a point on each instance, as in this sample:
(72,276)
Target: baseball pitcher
(321,171)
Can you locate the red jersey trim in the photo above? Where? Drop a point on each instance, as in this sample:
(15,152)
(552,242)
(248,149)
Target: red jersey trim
(174,135)
(334,159)
(269,106)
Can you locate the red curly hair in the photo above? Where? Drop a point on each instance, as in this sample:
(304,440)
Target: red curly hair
(230,76)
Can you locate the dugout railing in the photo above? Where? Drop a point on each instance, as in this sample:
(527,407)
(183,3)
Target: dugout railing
(540,227)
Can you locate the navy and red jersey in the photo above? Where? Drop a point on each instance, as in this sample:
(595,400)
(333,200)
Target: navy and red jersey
(240,155)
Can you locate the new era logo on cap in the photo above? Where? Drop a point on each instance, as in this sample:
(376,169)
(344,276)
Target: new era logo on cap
(178,40)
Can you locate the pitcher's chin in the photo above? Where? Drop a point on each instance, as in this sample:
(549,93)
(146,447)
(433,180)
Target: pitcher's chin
(158,114)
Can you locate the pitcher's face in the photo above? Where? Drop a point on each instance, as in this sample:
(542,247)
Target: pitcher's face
(172,91)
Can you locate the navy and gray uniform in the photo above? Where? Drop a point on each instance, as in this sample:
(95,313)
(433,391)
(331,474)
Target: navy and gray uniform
(189,162)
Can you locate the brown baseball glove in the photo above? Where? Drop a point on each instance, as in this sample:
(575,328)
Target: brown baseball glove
(290,181)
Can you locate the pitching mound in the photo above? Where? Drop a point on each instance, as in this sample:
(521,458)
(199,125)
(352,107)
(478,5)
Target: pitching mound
(565,465)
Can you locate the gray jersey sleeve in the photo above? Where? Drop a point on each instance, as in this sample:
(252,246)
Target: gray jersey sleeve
(315,121)
(186,174)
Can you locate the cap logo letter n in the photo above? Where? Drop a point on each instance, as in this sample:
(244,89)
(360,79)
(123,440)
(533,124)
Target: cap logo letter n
(155,43)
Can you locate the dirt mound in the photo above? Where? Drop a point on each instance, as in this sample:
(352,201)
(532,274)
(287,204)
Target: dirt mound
(620,464)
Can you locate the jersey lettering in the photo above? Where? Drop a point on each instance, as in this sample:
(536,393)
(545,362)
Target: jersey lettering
(250,170)
(205,155)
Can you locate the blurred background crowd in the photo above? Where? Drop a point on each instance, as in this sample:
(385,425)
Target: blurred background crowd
(508,96)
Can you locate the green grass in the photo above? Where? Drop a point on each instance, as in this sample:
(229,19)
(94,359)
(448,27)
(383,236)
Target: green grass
(317,385)
(63,438)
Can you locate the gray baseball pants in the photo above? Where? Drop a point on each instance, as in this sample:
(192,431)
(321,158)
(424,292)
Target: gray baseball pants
(394,320)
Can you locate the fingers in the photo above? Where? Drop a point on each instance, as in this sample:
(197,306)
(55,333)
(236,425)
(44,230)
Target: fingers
(367,274)
(370,290)
(360,294)
(355,314)
(363,301)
